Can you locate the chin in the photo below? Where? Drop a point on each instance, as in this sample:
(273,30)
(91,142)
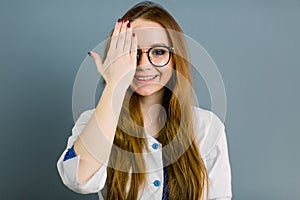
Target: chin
(145,92)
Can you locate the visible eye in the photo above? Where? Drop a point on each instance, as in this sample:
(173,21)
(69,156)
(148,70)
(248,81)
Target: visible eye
(158,52)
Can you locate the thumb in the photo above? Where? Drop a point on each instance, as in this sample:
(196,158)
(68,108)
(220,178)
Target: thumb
(97,59)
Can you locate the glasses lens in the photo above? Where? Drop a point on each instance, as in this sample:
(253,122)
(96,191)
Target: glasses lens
(159,56)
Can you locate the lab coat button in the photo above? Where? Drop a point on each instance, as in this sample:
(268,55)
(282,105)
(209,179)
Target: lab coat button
(156,183)
(155,146)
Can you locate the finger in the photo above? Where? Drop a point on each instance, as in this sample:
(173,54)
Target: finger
(121,38)
(128,38)
(133,50)
(97,59)
(114,37)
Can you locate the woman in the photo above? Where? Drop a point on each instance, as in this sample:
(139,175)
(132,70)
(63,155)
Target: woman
(144,139)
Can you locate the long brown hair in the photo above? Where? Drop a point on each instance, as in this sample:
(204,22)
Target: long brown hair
(187,176)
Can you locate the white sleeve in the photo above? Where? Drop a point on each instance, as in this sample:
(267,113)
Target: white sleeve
(68,169)
(218,168)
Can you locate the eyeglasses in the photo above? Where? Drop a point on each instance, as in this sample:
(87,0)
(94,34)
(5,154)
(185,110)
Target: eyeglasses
(158,56)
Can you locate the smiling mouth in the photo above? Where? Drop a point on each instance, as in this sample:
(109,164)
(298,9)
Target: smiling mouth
(145,78)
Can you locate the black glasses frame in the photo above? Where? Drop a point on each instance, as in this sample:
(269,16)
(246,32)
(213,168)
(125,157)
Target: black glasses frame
(170,49)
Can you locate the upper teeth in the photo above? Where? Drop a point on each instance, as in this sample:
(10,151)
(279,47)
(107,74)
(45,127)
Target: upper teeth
(145,78)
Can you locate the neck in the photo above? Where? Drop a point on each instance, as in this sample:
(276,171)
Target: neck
(146,102)
(151,109)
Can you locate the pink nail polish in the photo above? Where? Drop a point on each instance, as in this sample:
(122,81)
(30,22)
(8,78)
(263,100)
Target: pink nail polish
(128,25)
(126,19)
(119,20)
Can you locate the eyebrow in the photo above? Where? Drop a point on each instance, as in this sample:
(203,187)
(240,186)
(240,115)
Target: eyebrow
(156,44)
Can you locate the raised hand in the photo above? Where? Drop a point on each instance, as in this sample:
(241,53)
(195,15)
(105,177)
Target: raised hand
(120,63)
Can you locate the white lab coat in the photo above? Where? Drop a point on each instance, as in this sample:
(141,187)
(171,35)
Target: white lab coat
(210,136)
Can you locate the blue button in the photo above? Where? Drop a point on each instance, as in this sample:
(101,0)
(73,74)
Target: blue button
(156,183)
(155,146)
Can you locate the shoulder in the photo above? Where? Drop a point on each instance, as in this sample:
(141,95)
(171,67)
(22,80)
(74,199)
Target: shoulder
(208,129)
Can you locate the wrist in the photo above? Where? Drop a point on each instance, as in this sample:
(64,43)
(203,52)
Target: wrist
(118,86)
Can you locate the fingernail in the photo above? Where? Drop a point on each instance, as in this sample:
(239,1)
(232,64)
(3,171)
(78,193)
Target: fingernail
(119,20)
(128,25)
(126,19)
(89,53)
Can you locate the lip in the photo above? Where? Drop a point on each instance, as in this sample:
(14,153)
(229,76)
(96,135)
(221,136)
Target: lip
(145,76)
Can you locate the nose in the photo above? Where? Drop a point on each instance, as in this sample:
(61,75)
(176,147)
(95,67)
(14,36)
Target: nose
(143,59)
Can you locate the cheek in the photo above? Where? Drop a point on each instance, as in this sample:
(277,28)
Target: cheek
(166,75)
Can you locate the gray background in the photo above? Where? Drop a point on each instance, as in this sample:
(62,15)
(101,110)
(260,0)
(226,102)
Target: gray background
(255,44)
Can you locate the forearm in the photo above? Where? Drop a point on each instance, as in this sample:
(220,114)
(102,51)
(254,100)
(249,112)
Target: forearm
(94,143)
